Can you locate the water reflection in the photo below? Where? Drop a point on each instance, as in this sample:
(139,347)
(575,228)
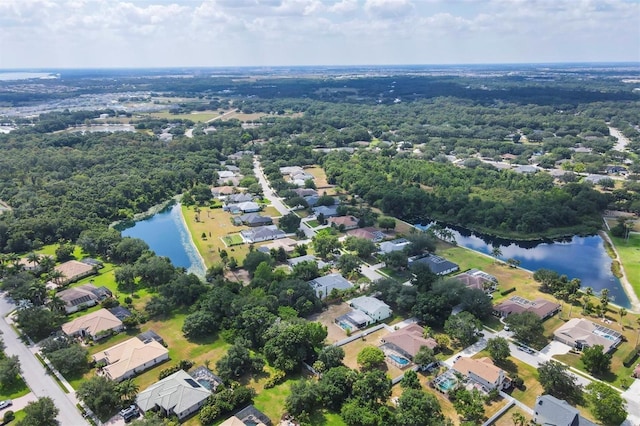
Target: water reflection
(577,257)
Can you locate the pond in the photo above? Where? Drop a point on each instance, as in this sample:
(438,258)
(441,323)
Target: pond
(167,235)
(577,257)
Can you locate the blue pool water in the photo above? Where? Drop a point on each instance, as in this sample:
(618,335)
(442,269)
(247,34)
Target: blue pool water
(343,325)
(445,385)
(400,360)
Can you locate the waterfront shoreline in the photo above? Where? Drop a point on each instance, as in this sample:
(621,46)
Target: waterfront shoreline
(192,242)
(626,285)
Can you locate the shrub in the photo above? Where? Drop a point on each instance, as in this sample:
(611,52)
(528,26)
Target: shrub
(8,416)
(630,359)
(128,300)
(109,303)
(505,292)
(276,378)
(182,365)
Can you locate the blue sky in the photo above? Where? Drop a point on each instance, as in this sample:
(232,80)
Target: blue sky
(182,33)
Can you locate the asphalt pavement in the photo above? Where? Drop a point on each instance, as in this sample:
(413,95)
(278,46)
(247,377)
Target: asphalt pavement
(34,374)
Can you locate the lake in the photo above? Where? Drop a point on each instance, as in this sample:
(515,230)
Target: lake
(167,235)
(577,257)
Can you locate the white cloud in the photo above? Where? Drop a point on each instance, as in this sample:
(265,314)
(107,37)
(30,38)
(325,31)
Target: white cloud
(245,32)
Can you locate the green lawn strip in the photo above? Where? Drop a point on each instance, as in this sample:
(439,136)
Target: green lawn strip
(629,252)
(53,376)
(313,223)
(16,390)
(19,415)
(271,401)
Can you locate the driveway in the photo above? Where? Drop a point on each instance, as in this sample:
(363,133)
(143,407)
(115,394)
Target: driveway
(370,271)
(19,403)
(632,396)
(34,374)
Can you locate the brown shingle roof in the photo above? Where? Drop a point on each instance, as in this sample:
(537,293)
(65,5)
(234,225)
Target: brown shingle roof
(74,269)
(482,367)
(92,323)
(541,307)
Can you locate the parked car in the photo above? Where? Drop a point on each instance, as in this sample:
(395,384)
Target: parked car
(129,413)
(6,403)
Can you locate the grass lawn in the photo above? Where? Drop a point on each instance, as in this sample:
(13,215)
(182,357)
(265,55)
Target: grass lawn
(199,116)
(270,211)
(629,252)
(320,179)
(18,389)
(402,276)
(313,223)
(20,415)
(506,418)
(215,223)
(233,240)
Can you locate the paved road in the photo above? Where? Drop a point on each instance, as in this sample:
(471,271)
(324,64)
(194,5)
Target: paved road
(370,271)
(266,189)
(39,381)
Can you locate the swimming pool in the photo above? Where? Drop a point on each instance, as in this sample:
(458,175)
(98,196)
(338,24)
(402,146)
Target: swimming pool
(345,326)
(447,384)
(205,383)
(400,360)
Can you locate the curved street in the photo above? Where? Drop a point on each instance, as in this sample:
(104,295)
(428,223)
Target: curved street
(34,374)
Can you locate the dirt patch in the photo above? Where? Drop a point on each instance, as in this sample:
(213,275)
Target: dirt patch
(326,317)
(352,349)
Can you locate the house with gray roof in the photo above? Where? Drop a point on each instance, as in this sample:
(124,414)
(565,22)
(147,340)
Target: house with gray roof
(327,211)
(239,198)
(306,258)
(177,394)
(324,285)
(550,410)
(438,265)
(395,245)
(262,233)
(253,220)
(376,309)
(249,207)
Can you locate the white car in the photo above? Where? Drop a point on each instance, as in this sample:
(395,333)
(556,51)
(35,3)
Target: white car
(6,403)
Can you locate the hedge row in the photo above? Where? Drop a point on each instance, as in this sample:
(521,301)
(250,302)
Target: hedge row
(629,359)
(505,292)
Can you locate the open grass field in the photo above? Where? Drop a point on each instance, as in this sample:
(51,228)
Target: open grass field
(320,179)
(216,224)
(200,116)
(629,252)
(232,240)
(244,117)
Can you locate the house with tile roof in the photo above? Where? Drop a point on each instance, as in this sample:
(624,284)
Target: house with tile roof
(73,270)
(177,394)
(482,371)
(83,296)
(408,340)
(580,333)
(344,222)
(128,358)
(96,325)
(543,308)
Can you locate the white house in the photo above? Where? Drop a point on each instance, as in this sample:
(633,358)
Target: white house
(177,394)
(371,306)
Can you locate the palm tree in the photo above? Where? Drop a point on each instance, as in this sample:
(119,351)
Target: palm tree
(622,312)
(518,419)
(47,263)
(604,300)
(573,298)
(496,252)
(56,304)
(37,293)
(34,259)
(588,291)
(128,390)
(56,276)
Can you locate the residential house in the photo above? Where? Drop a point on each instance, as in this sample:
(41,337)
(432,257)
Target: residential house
(344,222)
(327,211)
(407,341)
(239,198)
(28,265)
(474,278)
(312,200)
(249,416)
(288,244)
(149,336)
(83,296)
(262,233)
(240,154)
(353,319)
(323,286)
(394,245)
(525,169)
(248,207)
(550,410)
(177,394)
(482,371)
(516,305)
(232,168)
(438,265)
(226,174)
(128,358)
(306,258)
(305,192)
(291,170)
(369,233)
(73,270)
(580,333)
(376,309)
(595,179)
(222,192)
(252,220)
(614,170)
(96,324)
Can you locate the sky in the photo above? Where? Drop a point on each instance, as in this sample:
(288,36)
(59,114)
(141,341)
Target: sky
(40,34)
